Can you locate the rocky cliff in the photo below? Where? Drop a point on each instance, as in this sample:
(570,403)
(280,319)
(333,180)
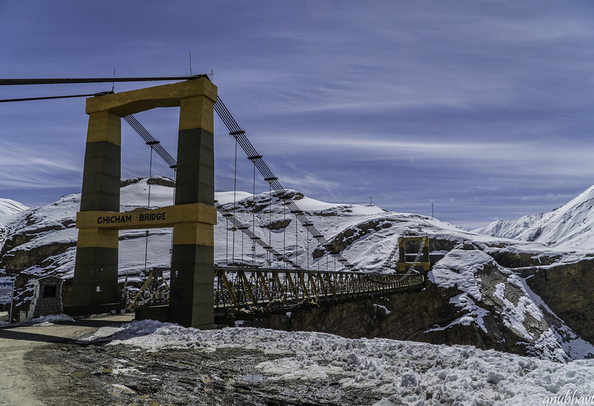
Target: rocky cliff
(473,300)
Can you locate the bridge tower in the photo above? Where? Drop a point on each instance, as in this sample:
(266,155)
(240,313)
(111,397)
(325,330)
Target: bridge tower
(95,284)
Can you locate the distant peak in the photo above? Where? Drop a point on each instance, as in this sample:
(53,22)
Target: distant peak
(8,207)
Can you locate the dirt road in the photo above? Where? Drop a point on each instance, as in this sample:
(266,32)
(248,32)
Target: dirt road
(26,382)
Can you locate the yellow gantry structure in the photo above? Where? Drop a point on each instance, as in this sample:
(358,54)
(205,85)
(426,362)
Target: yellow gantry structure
(422,258)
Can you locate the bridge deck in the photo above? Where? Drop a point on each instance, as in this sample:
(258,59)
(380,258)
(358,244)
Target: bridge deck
(261,290)
(252,290)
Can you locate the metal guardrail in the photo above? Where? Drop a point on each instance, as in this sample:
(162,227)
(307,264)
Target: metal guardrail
(252,289)
(258,289)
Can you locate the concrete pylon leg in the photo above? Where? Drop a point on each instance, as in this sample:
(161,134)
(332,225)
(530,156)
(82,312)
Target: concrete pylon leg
(96,269)
(191,300)
(192,264)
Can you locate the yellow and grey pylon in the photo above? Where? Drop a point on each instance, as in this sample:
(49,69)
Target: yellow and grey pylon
(192,217)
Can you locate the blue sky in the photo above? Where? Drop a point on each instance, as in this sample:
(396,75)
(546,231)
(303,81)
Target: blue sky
(483,108)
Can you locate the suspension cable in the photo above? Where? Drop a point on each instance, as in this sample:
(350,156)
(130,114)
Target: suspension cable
(254,216)
(70,96)
(57,81)
(228,214)
(296,240)
(240,226)
(259,163)
(268,175)
(285,232)
(270,222)
(147,137)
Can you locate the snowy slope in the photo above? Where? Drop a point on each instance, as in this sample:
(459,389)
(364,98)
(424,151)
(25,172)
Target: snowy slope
(10,207)
(569,227)
(365,234)
(52,225)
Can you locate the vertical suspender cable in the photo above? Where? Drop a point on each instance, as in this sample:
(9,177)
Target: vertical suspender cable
(148,204)
(254,216)
(284,233)
(242,234)
(174,167)
(241,138)
(152,145)
(270,223)
(296,240)
(234,200)
(307,249)
(227,241)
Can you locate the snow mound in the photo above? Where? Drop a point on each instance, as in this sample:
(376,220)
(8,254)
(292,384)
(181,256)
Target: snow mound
(401,372)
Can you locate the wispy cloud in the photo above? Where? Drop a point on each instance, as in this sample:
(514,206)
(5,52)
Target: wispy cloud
(25,167)
(482,107)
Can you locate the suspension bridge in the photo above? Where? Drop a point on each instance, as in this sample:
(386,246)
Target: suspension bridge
(235,286)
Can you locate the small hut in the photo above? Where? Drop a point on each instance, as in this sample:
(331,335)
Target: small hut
(47,299)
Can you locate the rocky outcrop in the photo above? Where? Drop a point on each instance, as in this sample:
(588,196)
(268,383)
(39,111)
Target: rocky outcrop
(22,248)
(351,234)
(416,316)
(522,259)
(277,225)
(474,301)
(568,290)
(18,260)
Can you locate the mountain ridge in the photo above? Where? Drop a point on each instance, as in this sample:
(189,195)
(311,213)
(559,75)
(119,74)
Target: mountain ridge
(486,291)
(568,227)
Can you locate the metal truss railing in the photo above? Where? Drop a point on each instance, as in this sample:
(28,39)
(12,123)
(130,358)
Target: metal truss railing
(258,289)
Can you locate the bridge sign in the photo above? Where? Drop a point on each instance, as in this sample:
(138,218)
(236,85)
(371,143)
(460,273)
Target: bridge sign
(6,292)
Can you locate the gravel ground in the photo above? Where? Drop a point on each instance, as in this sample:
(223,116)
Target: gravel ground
(116,375)
(49,366)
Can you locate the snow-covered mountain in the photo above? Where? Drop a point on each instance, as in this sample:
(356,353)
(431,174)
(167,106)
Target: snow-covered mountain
(43,239)
(9,207)
(569,227)
(487,291)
